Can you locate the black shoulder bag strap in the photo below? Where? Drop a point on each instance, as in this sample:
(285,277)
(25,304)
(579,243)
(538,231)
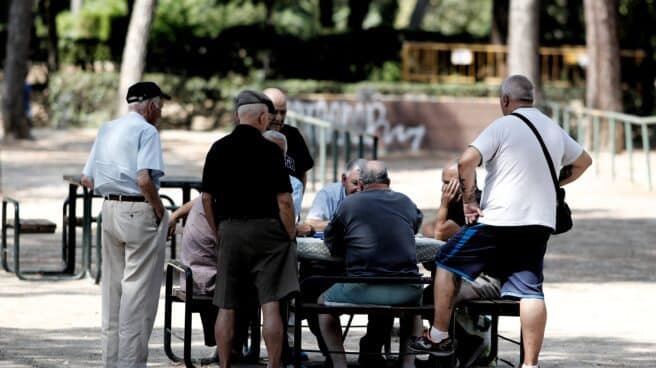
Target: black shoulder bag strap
(544,150)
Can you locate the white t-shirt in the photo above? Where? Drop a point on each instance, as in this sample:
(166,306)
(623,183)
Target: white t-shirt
(518,186)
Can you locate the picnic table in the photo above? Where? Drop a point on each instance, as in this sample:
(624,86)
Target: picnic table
(185,183)
(315,248)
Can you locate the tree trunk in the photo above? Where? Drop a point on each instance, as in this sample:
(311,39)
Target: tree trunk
(499,26)
(358,11)
(418,14)
(134,53)
(603,81)
(76,6)
(326,13)
(18,42)
(46,9)
(523,42)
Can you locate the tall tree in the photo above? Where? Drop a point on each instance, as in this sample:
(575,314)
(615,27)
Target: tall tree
(418,14)
(18,41)
(603,82)
(134,52)
(603,86)
(499,22)
(48,13)
(523,42)
(358,11)
(326,13)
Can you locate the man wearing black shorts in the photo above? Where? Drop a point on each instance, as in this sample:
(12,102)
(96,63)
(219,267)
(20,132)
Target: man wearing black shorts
(506,235)
(255,224)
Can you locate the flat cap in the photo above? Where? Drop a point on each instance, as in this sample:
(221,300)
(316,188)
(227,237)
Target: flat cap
(143,91)
(248,97)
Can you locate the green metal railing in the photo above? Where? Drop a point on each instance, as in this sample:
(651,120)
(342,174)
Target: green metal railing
(321,133)
(583,123)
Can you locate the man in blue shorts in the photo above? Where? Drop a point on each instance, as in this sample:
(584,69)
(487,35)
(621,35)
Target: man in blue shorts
(506,235)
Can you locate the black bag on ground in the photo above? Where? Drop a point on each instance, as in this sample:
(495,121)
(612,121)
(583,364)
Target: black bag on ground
(563,213)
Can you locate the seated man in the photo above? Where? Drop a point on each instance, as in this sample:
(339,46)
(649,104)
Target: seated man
(327,201)
(199,253)
(374,232)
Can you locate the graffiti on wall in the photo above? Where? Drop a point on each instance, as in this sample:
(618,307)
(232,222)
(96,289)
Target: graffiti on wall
(369,116)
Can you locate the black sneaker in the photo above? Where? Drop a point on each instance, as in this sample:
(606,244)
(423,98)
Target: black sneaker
(423,344)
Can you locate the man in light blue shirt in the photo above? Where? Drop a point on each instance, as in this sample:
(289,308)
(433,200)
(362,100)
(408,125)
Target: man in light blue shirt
(125,166)
(328,199)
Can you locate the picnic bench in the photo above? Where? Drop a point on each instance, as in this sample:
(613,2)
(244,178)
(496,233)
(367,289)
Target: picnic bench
(22,226)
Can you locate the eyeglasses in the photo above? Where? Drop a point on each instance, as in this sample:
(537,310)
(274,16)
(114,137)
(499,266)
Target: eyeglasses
(281,112)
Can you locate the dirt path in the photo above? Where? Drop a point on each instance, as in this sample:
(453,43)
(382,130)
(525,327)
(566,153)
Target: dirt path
(600,284)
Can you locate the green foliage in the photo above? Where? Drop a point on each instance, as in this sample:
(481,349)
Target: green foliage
(390,71)
(94,20)
(176,20)
(455,16)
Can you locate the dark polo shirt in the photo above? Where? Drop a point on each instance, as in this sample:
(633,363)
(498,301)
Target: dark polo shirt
(244,172)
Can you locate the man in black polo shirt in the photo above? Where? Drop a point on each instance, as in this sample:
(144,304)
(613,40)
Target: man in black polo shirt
(299,160)
(255,223)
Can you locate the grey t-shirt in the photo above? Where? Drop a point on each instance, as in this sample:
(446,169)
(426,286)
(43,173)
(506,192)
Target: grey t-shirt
(375,232)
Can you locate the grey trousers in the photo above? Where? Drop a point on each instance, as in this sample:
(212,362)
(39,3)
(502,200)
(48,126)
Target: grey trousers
(132,269)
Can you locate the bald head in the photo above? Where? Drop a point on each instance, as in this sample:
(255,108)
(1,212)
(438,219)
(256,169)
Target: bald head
(280,104)
(375,172)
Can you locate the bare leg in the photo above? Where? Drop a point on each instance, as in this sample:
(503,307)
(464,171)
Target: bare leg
(272,331)
(533,316)
(411,326)
(331,330)
(224,331)
(445,289)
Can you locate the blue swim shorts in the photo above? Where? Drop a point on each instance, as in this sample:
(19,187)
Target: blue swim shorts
(514,254)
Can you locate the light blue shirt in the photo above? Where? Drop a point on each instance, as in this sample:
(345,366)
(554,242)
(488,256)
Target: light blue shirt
(327,202)
(122,148)
(297,195)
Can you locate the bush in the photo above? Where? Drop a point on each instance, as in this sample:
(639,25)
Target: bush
(80,98)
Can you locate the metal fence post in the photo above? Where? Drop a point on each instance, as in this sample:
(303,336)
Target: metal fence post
(335,154)
(645,147)
(629,146)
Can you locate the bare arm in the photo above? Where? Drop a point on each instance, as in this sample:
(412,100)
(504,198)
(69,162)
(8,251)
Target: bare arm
(286,208)
(149,191)
(317,225)
(179,213)
(467,164)
(445,228)
(87,181)
(208,199)
(578,168)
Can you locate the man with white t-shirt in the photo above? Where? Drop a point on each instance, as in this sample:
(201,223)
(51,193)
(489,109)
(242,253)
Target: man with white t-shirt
(507,233)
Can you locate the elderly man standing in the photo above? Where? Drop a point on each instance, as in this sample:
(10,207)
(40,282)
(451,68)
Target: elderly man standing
(255,224)
(374,231)
(124,167)
(298,156)
(515,218)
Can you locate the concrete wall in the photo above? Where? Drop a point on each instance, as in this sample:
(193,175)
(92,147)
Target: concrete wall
(407,124)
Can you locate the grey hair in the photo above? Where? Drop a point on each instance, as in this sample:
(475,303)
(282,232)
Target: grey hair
(518,88)
(274,135)
(359,164)
(251,109)
(139,106)
(375,173)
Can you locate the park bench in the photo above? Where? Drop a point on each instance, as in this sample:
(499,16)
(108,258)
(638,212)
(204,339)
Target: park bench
(192,304)
(494,308)
(22,226)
